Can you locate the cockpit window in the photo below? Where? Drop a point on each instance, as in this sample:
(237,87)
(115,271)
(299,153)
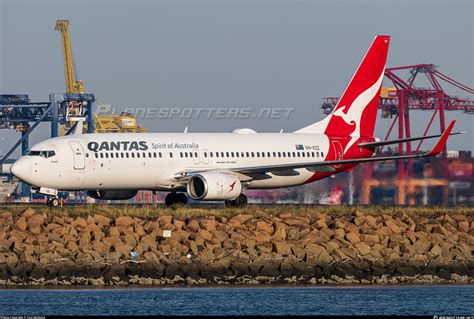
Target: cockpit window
(34,153)
(45,154)
(50,154)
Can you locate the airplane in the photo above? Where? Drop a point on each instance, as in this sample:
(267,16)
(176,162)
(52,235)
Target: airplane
(220,166)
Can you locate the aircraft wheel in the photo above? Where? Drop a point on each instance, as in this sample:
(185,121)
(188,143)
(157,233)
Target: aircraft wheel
(241,200)
(181,198)
(53,202)
(238,202)
(170,199)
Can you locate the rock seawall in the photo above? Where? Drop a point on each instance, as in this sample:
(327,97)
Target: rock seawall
(40,248)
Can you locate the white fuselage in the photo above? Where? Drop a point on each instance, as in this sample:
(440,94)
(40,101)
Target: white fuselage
(152,161)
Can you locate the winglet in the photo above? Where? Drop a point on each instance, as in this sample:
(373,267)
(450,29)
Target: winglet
(442,140)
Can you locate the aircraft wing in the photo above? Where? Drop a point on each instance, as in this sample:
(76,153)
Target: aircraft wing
(326,166)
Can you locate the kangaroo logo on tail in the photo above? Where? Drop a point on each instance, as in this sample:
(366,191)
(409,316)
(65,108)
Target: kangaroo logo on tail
(355,114)
(352,115)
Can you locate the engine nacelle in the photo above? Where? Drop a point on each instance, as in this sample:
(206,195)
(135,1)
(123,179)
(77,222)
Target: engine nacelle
(112,195)
(214,186)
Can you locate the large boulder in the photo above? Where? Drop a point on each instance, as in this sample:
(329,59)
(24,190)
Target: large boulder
(353,237)
(35,223)
(20,224)
(208,224)
(282,248)
(124,221)
(101,220)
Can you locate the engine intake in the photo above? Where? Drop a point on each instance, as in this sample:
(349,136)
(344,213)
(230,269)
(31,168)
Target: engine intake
(214,186)
(112,195)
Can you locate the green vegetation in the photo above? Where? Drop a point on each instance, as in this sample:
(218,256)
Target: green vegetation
(151,211)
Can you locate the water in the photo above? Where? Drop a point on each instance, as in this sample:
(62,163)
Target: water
(374,300)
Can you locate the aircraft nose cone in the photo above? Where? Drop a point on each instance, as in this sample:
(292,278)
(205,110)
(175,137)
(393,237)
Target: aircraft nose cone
(22,169)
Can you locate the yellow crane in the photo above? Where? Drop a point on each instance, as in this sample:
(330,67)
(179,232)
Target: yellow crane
(109,123)
(72,86)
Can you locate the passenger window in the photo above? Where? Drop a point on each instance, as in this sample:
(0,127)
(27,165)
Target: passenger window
(289,154)
(322,154)
(211,154)
(106,155)
(312,154)
(227,154)
(186,154)
(111,155)
(181,154)
(96,155)
(263,154)
(196,154)
(242,154)
(205,154)
(121,155)
(253,154)
(217,154)
(284,154)
(232,154)
(138,155)
(159,154)
(294,155)
(274,154)
(87,154)
(171,155)
(258,154)
(279,154)
(133,155)
(302,154)
(222,154)
(247,154)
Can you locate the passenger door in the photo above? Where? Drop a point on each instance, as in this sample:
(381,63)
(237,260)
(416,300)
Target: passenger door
(78,153)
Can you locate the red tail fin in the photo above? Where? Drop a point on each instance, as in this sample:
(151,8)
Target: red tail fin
(356,111)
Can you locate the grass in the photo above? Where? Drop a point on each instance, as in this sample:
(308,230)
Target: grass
(151,211)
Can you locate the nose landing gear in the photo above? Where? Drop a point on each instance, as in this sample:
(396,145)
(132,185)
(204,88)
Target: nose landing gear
(176,198)
(53,202)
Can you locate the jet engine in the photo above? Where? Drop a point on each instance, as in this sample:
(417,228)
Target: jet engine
(214,186)
(112,195)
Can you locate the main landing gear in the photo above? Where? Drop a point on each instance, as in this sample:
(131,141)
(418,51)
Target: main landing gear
(238,202)
(176,198)
(53,202)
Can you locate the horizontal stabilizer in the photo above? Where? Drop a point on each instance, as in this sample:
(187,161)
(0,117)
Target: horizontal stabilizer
(402,140)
